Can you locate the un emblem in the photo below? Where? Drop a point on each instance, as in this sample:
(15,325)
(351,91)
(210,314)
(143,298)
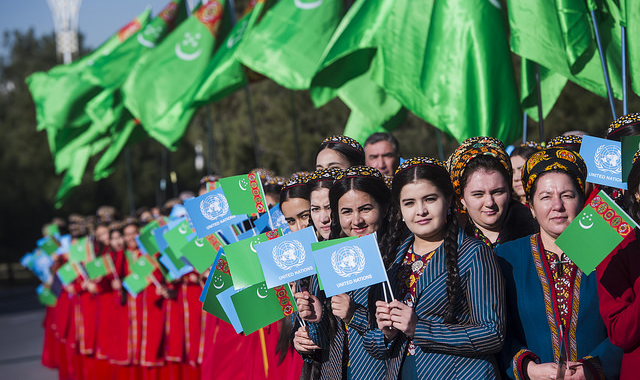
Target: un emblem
(348,261)
(214,206)
(607,159)
(288,254)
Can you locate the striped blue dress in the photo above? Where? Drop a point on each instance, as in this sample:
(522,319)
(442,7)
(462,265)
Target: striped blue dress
(465,349)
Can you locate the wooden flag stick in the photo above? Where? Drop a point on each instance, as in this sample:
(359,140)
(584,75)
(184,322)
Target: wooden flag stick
(265,360)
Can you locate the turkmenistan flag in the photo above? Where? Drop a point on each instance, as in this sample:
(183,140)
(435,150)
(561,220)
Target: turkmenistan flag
(99,267)
(243,260)
(287,44)
(595,232)
(68,272)
(551,85)
(627,13)
(244,194)
(81,251)
(258,306)
(61,94)
(219,280)
(49,244)
(155,90)
(224,73)
(111,70)
(200,254)
(179,236)
(46,296)
(139,278)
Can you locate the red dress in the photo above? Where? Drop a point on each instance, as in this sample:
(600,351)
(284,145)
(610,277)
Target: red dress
(174,347)
(618,290)
(151,318)
(194,327)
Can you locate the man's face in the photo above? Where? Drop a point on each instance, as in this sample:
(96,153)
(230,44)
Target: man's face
(382,156)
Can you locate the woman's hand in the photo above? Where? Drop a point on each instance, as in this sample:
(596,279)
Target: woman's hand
(302,341)
(309,306)
(575,371)
(343,307)
(92,287)
(542,371)
(116,284)
(383,319)
(403,318)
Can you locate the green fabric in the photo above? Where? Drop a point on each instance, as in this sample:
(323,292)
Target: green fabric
(244,264)
(240,197)
(200,254)
(551,84)
(168,74)
(220,282)
(287,44)
(73,176)
(177,237)
(79,251)
(50,245)
(68,273)
(47,297)
(138,279)
(258,306)
(97,268)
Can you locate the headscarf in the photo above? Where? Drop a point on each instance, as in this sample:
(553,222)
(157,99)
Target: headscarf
(621,123)
(293,182)
(276,181)
(470,149)
(530,144)
(359,172)
(425,161)
(571,142)
(550,159)
(635,157)
(343,140)
(326,174)
(264,174)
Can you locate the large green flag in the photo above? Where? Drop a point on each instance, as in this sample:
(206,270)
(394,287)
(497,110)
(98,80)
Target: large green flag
(73,176)
(551,85)
(60,94)
(627,13)
(288,43)
(164,76)
(111,70)
(225,74)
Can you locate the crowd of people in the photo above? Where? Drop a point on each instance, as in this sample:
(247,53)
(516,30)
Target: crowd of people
(479,289)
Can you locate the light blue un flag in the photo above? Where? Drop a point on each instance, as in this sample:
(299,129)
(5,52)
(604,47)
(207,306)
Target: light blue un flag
(351,265)
(209,211)
(287,258)
(604,161)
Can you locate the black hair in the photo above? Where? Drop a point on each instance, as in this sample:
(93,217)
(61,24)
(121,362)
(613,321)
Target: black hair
(398,229)
(353,156)
(317,185)
(375,138)
(632,205)
(372,186)
(272,188)
(488,163)
(299,191)
(524,151)
(629,130)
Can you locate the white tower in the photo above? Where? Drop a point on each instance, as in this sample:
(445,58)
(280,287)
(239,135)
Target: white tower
(65,20)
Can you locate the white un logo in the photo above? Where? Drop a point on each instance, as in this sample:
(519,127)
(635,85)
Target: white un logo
(608,159)
(214,206)
(348,261)
(288,254)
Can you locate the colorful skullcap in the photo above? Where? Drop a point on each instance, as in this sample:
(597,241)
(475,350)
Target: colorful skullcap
(635,157)
(209,178)
(530,144)
(388,180)
(276,181)
(570,142)
(264,174)
(129,221)
(294,181)
(344,140)
(562,159)
(326,174)
(622,122)
(116,225)
(424,161)
(301,174)
(359,172)
(470,149)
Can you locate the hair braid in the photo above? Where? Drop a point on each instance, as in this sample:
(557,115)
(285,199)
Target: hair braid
(451,262)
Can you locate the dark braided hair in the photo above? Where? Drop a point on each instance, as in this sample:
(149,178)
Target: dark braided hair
(398,232)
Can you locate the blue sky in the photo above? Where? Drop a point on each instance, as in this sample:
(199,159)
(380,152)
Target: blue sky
(97,20)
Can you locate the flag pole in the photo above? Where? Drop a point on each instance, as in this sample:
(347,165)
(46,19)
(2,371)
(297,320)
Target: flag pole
(254,136)
(603,61)
(623,40)
(525,120)
(540,113)
(296,137)
(439,142)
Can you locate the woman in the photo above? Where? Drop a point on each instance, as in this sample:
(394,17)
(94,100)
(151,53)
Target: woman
(318,184)
(547,294)
(294,203)
(359,201)
(570,142)
(272,190)
(481,176)
(518,157)
(450,292)
(618,285)
(339,152)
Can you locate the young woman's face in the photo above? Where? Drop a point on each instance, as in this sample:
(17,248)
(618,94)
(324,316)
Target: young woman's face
(130,233)
(555,203)
(517,162)
(424,209)
(296,213)
(321,211)
(102,234)
(359,213)
(486,198)
(116,241)
(329,158)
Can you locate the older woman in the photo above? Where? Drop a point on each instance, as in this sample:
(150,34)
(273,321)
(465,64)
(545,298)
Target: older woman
(481,176)
(547,294)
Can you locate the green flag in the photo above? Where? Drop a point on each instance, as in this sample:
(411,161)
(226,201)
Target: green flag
(244,194)
(81,251)
(99,267)
(50,245)
(551,86)
(147,239)
(111,70)
(177,236)
(258,306)
(288,43)
(69,272)
(224,73)
(595,232)
(627,13)
(167,74)
(139,278)
(243,261)
(200,254)
(46,296)
(220,281)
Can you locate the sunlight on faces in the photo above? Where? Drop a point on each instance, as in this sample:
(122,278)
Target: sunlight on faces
(296,213)
(517,162)
(102,234)
(555,203)
(116,241)
(381,156)
(329,158)
(359,213)
(321,211)
(130,233)
(486,198)
(424,210)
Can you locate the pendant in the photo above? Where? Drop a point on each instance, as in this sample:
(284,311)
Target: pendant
(417,265)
